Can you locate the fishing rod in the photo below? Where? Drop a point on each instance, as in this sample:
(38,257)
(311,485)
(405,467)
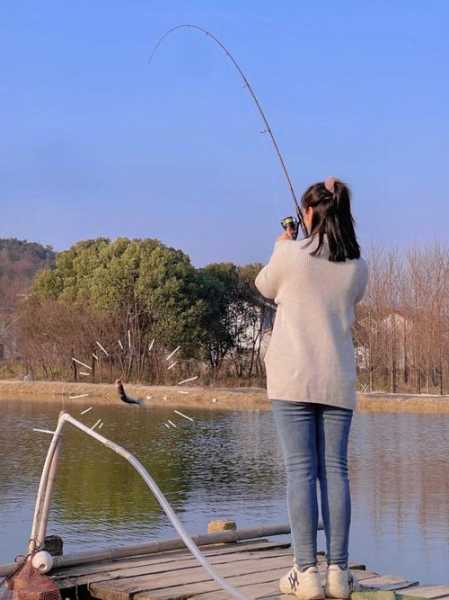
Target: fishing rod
(288,223)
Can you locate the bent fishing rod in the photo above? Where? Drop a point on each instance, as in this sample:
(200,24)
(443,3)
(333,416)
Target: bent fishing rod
(289,223)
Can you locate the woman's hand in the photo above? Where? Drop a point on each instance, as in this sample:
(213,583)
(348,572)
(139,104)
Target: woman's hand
(286,235)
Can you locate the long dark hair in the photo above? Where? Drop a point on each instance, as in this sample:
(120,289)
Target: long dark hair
(331,204)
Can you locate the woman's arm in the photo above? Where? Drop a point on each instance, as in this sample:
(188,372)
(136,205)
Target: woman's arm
(269,278)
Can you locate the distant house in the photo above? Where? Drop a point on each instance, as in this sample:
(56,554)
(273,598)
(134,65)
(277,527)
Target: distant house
(396,325)
(257,333)
(361,357)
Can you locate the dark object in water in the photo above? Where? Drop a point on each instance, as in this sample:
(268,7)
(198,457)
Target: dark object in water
(124,396)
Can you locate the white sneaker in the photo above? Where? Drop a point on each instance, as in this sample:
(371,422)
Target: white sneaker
(340,583)
(306,585)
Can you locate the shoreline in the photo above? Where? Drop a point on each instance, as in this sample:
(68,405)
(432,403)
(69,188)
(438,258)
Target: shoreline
(244,398)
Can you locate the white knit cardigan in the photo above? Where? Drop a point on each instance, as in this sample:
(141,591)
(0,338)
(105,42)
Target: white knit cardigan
(310,357)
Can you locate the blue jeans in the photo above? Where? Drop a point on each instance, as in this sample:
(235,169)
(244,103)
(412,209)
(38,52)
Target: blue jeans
(314,441)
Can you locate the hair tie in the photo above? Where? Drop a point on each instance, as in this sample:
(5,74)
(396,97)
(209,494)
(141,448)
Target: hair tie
(329,184)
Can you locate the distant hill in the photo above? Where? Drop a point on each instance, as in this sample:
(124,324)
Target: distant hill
(20,260)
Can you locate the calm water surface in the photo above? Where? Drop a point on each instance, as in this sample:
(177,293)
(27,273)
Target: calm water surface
(226,464)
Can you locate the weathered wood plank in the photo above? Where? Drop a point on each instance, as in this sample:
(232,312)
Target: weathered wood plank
(268,582)
(184,562)
(166,557)
(360,574)
(174,559)
(390,595)
(268,590)
(426,591)
(162,587)
(265,585)
(277,596)
(373,595)
(386,583)
(124,589)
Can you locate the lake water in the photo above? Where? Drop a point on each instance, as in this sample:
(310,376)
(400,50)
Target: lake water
(225,464)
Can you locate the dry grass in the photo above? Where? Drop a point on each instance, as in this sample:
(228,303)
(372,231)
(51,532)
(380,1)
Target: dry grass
(105,393)
(249,398)
(411,403)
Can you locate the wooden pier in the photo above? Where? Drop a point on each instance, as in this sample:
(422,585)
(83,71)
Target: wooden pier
(252,566)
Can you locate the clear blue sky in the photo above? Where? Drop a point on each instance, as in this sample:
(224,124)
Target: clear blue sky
(95,142)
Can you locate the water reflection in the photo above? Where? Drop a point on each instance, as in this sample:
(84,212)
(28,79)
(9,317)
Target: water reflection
(400,483)
(226,464)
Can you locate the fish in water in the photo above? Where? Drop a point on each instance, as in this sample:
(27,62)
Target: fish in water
(124,396)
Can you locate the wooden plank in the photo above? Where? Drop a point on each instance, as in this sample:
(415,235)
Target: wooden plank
(163,587)
(84,574)
(125,589)
(267,583)
(268,590)
(276,596)
(73,576)
(184,562)
(360,575)
(373,595)
(392,595)
(440,592)
(165,557)
(426,591)
(386,583)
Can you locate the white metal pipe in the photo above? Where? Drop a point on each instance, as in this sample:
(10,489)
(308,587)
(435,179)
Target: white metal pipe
(43,484)
(42,529)
(223,537)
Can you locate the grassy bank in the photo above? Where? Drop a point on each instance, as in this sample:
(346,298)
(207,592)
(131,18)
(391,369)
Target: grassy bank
(105,393)
(199,396)
(413,403)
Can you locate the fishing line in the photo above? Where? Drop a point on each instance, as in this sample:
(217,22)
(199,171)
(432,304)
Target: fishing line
(253,96)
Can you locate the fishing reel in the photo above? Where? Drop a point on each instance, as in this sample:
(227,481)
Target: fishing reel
(291,225)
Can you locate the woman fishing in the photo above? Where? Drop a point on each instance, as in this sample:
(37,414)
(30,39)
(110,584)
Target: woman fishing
(311,376)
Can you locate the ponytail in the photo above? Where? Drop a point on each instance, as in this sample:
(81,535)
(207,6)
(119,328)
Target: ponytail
(331,204)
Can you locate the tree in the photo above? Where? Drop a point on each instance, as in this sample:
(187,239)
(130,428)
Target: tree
(218,289)
(141,288)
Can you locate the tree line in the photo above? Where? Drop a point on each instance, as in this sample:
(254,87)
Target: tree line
(402,329)
(121,307)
